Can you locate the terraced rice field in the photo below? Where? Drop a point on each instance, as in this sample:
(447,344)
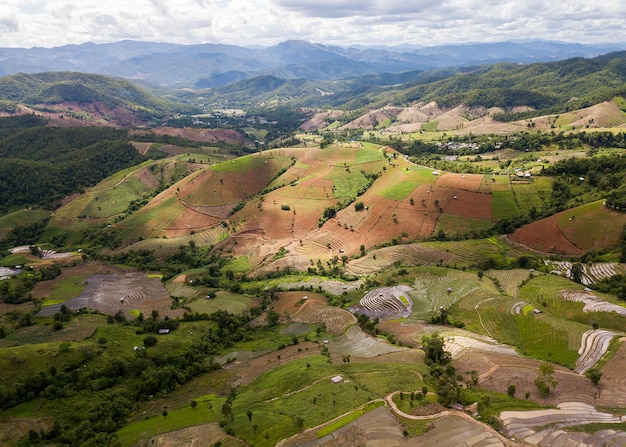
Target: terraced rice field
(593,346)
(509,280)
(386,303)
(357,343)
(545,427)
(126,292)
(457,345)
(591,273)
(442,291)
(592,302)
(457,431)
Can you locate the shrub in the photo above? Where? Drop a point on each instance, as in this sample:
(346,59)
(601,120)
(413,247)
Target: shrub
(149,341)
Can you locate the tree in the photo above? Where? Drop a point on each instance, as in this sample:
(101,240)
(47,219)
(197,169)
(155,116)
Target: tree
(511,391)
(194,404)
(272,318)
(359,206)
(433,350)
(545,379)
(149,341)
(577,273)
(249,414)
(594,375)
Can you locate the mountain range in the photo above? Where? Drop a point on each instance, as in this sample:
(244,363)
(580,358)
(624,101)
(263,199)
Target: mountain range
(213,65)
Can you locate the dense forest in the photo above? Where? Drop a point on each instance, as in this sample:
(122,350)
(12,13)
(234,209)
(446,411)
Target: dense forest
(41,165)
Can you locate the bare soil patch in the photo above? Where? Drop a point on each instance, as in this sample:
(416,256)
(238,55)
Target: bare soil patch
(110,293)
(206,435)
(497,371)
(467,182)
(16,429)
(247,371)
(612,386)
(204,135)
(313,309)
(546,237)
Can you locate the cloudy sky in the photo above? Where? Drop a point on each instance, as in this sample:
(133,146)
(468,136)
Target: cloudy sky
(48,23)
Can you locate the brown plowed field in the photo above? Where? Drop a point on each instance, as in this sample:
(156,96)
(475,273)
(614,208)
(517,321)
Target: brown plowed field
(468,182)
(545,236)
(467,204)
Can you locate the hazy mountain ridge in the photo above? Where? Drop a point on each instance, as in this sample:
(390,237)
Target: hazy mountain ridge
(184,65)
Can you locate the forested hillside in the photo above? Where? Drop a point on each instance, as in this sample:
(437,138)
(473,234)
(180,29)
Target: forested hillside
(41,165)
(60,87)
(556,86)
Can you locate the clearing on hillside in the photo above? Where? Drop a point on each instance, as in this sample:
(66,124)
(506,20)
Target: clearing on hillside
(126,292)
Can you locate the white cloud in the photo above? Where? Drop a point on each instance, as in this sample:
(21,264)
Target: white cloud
(25,23)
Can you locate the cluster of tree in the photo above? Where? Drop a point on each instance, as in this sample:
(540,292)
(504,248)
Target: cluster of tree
(24,234)
(615,285)
(602,175)
(106,392)
(40,165)
(18,289)
(442,371)
(186,257)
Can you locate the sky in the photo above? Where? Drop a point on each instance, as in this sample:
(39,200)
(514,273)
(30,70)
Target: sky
(51,23)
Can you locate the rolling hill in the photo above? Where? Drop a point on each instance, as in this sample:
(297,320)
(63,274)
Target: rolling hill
(99,99)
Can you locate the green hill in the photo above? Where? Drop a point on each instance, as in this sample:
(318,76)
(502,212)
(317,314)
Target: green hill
(59,87)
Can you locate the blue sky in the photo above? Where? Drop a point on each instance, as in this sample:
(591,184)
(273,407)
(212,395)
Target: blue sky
(48,23)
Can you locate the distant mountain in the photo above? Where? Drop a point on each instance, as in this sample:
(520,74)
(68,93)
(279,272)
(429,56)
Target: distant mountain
(212,65)
(562,85)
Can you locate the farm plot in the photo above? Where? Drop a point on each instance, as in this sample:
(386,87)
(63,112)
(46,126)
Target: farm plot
(467,204)
(467,182)
(441,291)
(510,280)
(592,302)
(313,308)
(456,345)
(504,205)
(592,226)
(593,346)
(545,236)
(386,303)
(532,194)
(409,254)
(457,431)
(357,343)
(126,292)
(545,427)
(590,274)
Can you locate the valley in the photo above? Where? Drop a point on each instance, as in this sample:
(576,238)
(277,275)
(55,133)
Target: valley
(426,269)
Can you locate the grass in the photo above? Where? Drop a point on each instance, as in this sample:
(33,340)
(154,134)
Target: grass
(228,301)
(66,288)
(503,205)
(596,427)
(239,164)
(430,126)
(346,184)
(208,410)
(399,191)
(22,217)
(592,226)
(533,194)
